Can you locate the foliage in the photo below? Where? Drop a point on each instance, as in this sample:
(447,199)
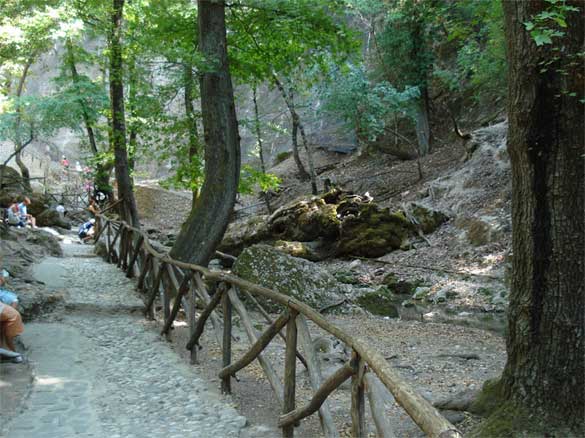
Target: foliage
(549,23)
(250,178)
(188,171)
(478,30)
(365,105)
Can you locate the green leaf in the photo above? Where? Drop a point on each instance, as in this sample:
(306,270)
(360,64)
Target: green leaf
(529,25)
(541,38)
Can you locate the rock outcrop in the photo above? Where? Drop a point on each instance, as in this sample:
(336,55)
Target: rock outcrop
(298,278)
(52,218)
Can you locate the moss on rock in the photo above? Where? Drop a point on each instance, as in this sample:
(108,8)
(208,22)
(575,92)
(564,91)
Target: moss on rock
(400,286)
(305,220)
(373,232)
(427,220)
(379,302)
(343,224)
(298,278)
(313,251)
(347,277)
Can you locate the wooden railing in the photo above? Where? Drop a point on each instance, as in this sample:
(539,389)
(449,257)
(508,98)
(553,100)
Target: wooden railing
(161,276)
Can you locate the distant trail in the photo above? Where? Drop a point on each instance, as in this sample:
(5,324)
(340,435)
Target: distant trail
(101,370)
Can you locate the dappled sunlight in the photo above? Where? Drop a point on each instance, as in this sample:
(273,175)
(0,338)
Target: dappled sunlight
(50,381)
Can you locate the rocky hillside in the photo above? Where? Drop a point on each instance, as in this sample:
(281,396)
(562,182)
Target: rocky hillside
(454,269)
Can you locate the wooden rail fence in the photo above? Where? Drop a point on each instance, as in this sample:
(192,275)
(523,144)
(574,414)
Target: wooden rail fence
(161,277)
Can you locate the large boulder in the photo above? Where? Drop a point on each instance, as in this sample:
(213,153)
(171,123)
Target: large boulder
(305,220)
(52,218)
(11,180)
(20,248)
(335,224)
(292,276)
(240,235)
(373,232)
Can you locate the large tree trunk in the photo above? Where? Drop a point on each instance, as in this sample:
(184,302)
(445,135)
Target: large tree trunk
(546,355)
(128,207)
(207,223)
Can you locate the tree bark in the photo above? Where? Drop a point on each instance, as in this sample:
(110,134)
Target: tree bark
(128,206)
(18,146)
(546,355)
(133,125)
(420,49)
(191,119)
(422,122)
(294,131)
(82,104)
(258,130)
(208,221)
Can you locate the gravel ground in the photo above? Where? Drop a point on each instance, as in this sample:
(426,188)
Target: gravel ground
(102,370)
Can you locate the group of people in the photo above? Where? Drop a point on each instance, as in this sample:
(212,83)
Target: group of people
(18,216)
(10,322)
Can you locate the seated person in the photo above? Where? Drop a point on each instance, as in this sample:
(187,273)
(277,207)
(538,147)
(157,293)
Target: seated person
(93,207)
(10,321)
(86,230)
(23,213)
(13,216)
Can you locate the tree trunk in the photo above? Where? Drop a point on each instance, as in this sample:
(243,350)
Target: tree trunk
(128,207)
(19,145)
(133,128)
(422,122)
(259,139)
(294,131)
(208,221)
(307,146)
(420,50)
(82,104)
(191,119)
(546,355)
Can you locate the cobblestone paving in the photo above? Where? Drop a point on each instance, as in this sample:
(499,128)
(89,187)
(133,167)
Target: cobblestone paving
(103,371)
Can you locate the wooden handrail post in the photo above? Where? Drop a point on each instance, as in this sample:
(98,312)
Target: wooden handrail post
(320,396)
(191,315)
(358,416)
(290,373)
(109,242)
(226,387)
(314,370)
(375,390)
(134,259)
(149,311)
(127,248)
(181,290)
(144,271)
(113,245)
(257,347)
(194,341)
(166,299)
(121,245)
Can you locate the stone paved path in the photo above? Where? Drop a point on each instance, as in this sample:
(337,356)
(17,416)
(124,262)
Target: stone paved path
(101,370)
